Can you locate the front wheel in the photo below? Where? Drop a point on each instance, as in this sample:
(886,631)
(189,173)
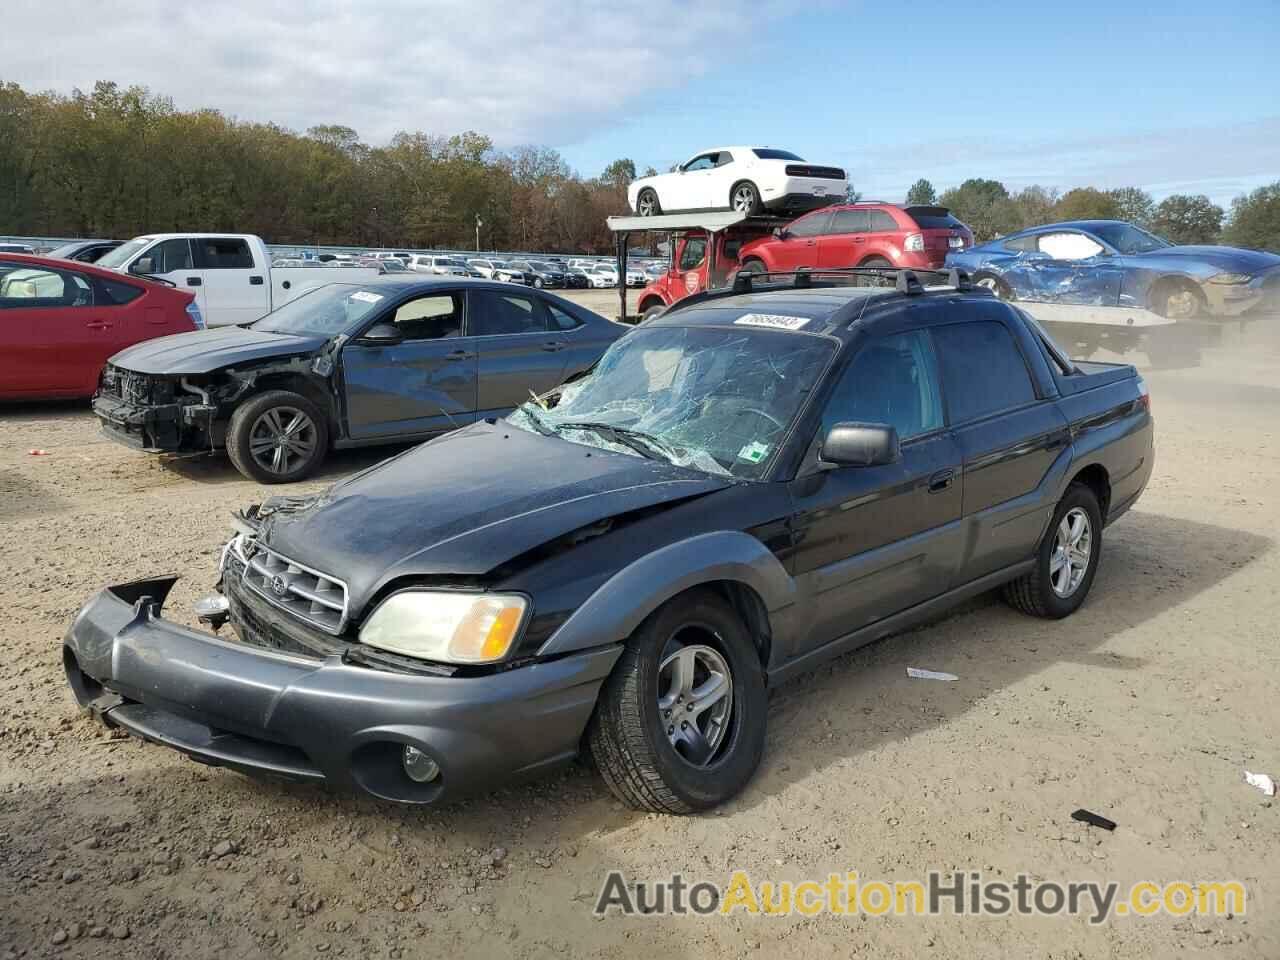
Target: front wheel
(277,437)
(1066,560)
(745,198)
(680,724)
(647,204)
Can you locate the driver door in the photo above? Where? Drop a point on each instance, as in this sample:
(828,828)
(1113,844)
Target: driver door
(423,384)
(1072,267)
(873,541)
(693,185)
(172,260)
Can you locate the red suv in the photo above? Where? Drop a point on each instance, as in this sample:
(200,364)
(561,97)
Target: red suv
(860,235)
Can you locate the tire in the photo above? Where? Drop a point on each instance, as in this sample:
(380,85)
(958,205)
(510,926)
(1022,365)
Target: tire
(1177,300)
(647,204)
(538,283)
(1039,593)
(752,265)
(259,419)
(995,285)
(745,198)
(652,311)
(631,735)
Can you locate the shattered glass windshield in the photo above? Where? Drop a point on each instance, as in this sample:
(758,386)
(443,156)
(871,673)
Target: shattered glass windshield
(716,399)
(1126,238)
(323,312)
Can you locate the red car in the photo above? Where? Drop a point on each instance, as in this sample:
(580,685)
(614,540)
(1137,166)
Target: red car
(861,235)
(60,321)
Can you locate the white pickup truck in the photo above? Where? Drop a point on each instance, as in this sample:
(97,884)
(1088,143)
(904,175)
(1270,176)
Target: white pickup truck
(229,273)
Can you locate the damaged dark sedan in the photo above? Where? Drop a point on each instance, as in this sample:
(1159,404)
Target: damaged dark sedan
(347,365)
(741,489)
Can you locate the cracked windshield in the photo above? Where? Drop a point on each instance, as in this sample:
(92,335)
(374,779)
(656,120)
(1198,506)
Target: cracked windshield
(718,400)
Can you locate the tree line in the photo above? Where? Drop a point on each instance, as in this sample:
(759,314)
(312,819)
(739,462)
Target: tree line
(991,210)
(116,162)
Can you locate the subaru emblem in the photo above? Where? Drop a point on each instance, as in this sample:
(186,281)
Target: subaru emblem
(279,585)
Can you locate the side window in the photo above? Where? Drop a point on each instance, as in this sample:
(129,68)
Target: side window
(1068,246)
(811,226)
(693,252)
(892,380)
(32,287)
(849,221)
(1022,244)
(561,320)
(704,162)
(430,318)
(983,370)
(724,158)
(497,314)
(114,293)
(169,255)
(881,222)
(222,253)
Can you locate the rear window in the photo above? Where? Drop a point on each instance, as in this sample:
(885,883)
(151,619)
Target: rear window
(114,292)
(933,218)
(766,154)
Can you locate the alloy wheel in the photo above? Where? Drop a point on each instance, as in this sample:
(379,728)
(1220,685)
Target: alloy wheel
(744,198)
(1072,550)
(696,701)
(282,439)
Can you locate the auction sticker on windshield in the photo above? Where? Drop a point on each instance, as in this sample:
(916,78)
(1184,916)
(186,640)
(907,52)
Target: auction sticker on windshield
(778,321)
(754,452)
(365,297)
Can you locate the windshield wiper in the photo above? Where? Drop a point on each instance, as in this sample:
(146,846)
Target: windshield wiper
(645,444)
(530,410)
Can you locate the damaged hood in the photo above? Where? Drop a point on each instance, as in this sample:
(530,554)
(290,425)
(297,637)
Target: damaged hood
(466,503)
(1230,259)
(203,351)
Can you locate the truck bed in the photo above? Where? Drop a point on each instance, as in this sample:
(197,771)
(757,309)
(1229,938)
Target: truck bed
(1092,375)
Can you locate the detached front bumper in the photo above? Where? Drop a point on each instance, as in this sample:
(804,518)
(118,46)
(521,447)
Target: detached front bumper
(159,428)
(261,712)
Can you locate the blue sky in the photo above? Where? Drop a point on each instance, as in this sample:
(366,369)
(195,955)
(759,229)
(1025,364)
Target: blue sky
(1172,97)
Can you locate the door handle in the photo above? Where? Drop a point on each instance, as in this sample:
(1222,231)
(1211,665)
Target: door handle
(255,281)
(941,480)
(98,325)
(551,346)
(859,239)
(193,281)
(811,243)
(459,355)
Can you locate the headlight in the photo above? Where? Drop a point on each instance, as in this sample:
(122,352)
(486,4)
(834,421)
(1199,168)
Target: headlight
(448,627)
(1230,278)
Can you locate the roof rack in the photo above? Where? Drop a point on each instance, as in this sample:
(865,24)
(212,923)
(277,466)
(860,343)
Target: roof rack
(907,280)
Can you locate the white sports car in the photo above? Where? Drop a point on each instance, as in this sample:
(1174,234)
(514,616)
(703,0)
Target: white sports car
(747,179)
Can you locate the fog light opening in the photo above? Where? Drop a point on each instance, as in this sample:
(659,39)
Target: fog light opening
(418,767)
(214,610)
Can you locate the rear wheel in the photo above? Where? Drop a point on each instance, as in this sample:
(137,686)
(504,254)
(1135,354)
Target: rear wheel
(277,437)
(647,203)
(745,198)
(995,285)
(1066,561)
(680,724)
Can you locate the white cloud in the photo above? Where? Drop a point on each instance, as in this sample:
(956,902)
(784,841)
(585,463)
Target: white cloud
(526,72)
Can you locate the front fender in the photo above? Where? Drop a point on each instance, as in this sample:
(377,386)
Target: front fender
(620,604)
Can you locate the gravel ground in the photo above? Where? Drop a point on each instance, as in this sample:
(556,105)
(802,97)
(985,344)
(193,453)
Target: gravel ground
(1145,706)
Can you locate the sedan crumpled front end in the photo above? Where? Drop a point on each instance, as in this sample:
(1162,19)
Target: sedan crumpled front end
(156,413)
(268,705)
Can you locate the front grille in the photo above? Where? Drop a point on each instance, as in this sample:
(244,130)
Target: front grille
(307,594)
(820,173)
(137,388)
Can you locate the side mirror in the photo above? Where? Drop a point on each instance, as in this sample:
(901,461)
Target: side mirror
(142,266)
(859,445)
(781,233)
(382,334)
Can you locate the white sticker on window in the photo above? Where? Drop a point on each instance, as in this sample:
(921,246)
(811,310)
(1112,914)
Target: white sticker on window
(754,452)
(771,320)
(364,297)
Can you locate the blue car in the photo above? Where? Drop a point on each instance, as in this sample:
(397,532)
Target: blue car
(1115,264)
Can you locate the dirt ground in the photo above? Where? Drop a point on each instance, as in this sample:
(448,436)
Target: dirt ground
(1145,706)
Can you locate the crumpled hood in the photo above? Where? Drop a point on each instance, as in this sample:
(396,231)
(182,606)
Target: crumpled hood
(203,351)
(1227,259)
(465,503)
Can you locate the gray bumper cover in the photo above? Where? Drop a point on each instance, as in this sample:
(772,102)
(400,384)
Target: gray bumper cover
(228,704)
